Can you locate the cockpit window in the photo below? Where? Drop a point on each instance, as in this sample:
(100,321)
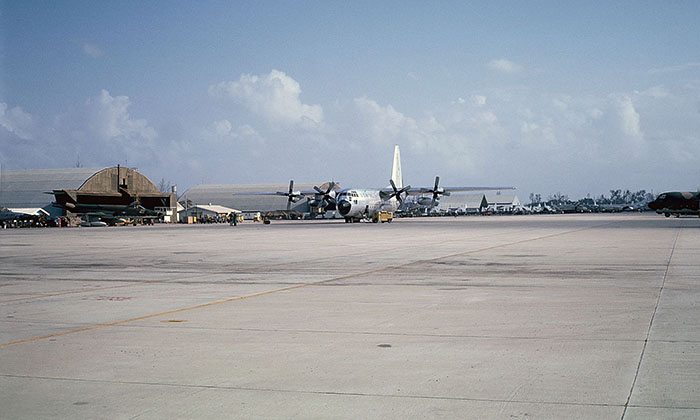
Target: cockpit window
(662,197)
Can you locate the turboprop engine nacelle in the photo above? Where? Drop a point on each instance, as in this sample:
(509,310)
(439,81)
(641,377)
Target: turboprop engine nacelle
(425,201)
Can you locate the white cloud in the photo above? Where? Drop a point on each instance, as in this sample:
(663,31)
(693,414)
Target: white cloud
(478,100)
(92,50)
(381,124)
(505,66)
(222,127)
(656,92)
(628,116)
(18,122)
(274,96)
(101,131)
(540,141)
(107,118)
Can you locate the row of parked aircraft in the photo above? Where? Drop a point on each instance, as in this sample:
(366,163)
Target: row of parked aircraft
(353,204)
(356,204)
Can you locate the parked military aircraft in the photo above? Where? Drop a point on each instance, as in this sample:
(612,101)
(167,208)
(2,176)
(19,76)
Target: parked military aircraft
(6,215)
(320,199)
(109,213)
(676,203)
(355,204)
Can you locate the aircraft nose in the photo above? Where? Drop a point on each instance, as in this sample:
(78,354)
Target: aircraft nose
(344,207)
(653,205)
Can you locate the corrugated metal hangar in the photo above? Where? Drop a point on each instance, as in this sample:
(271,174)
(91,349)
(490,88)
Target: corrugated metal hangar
(91,186)
(28,188)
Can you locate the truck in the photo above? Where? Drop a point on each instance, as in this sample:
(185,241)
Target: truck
(383,216)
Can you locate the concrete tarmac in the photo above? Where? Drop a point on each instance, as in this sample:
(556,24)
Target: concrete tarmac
(529,317)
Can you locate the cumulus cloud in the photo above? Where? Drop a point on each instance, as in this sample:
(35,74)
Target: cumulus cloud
(474,100)
(536,140)
(17,122)
(504,66)
(274,97)
(628,117)
(381,124)
(107,118)
(100,130)
(222,127)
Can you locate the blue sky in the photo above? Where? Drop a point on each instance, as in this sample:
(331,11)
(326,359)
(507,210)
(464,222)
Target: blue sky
(547,96)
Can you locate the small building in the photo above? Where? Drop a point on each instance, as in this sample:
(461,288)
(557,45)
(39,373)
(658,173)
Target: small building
(462,203)
(206,212)
(503,203)
(475,203)
(30,211)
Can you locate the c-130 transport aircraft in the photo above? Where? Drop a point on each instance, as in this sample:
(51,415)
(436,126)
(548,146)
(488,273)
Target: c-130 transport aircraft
(677,203)
(357,204)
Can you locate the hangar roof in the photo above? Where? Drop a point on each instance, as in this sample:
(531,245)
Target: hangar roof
(502,199)
(213,208)
(470,201)
(25,188)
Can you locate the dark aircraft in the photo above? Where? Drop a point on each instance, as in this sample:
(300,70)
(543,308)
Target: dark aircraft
(676,203)
(6,215)
(110,213)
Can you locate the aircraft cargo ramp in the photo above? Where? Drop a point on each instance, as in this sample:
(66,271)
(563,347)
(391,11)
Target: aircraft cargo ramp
(537,317)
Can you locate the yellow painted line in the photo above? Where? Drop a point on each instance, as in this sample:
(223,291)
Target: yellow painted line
(296,286)
(172,311)
(132,283)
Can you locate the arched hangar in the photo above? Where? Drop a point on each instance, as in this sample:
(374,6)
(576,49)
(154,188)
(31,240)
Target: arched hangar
(117,186)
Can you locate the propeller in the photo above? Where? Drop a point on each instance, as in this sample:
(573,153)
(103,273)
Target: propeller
(437,191)
(323,198)
(292,196)
(397,192)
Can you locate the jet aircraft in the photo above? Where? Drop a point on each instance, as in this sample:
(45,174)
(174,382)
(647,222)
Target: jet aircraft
(356,204)
(676,203)
(109,213)
(7,215)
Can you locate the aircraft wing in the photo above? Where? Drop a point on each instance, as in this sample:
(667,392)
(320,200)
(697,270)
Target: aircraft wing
(423,190)
(320,197)
(306,193)
(11,215)
(436,190)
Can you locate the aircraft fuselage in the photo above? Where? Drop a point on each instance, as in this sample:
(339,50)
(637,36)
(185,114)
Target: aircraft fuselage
(676,202)
(355,204)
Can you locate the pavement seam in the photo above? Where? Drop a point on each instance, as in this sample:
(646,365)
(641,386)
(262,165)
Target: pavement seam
(651,323)
(296,286)
(312,392)
(337,393)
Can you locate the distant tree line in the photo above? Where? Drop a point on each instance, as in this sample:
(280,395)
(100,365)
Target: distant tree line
(615,197)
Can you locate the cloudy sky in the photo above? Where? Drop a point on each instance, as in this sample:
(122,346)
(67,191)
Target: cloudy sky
(546,96)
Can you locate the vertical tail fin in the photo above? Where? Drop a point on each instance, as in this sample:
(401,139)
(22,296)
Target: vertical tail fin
(396,169)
